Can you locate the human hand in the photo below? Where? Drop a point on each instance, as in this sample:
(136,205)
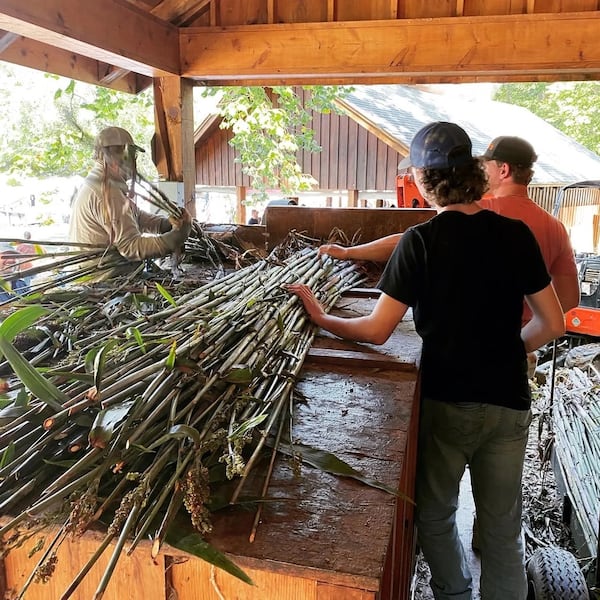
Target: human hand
(311,304)
(184,219)
(333,250)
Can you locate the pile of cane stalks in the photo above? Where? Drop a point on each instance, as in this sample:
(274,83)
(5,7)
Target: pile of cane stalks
(573,411)
(123,411)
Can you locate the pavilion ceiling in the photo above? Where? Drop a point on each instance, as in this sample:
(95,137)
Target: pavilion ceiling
(124,44)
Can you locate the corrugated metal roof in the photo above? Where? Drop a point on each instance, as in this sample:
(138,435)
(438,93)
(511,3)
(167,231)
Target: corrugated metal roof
(400,111)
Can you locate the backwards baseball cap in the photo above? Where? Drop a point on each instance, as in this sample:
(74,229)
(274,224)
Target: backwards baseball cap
(116,136)
(439,145)
(512,150)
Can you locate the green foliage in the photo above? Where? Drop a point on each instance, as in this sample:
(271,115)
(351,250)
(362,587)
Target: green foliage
(52,134)
(573,108)
(270,128)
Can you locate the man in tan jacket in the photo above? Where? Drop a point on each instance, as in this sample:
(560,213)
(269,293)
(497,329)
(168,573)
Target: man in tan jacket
(103,213)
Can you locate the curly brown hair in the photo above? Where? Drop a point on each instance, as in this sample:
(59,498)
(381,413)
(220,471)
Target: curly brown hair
(464,184)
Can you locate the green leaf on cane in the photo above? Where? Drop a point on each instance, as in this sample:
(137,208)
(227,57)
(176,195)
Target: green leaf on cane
(172,358)
(178,432)
(100,362)
(165,294)
(240,375)
(39,386)
(194,544)
(20,320)
(135,333)
(247,425)
(328,462)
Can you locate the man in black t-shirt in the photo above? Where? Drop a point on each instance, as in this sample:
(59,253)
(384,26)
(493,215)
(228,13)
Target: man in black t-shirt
(475,394)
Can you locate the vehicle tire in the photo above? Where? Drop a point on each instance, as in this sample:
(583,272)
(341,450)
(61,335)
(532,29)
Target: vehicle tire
(553,574)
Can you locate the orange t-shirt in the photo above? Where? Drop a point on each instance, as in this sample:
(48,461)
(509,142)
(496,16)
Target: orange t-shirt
(549,232)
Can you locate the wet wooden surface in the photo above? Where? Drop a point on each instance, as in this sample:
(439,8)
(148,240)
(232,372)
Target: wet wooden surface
(320,525)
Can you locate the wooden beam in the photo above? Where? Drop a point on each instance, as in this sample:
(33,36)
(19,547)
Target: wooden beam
(174,137)
(355,358)
(35,55)
(557,46)
(7,39)
(110,31)
(109,74)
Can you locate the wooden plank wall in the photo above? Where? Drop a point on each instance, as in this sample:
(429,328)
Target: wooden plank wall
(351,157)
(574,200)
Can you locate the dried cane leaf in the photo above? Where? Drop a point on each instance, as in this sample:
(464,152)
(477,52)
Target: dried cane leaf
(328,462)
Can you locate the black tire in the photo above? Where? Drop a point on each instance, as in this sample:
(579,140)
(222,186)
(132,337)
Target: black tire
(553,574)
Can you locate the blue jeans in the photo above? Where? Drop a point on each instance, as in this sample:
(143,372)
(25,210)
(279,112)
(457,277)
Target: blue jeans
(492,441)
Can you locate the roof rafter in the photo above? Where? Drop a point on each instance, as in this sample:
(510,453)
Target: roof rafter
(35,55)
(109,31)
(541,46)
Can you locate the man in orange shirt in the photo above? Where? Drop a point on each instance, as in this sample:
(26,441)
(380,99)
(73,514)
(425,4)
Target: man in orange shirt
(508,162)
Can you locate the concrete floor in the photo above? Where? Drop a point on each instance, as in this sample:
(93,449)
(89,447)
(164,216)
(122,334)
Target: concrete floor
(464,518)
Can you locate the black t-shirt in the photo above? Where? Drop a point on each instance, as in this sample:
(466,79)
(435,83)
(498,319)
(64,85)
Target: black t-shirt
(465,277)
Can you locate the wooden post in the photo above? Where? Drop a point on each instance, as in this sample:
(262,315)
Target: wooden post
(240,210)
(173,150)
(352,198)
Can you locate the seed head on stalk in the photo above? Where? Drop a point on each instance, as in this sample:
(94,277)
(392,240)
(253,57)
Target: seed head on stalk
(197,496)
(83,509)
(132,498)
(46,569)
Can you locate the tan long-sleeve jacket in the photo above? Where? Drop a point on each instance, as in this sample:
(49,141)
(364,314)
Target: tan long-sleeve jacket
(119,222)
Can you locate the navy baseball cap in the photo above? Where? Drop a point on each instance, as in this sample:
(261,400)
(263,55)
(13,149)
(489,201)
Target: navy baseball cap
(439,145)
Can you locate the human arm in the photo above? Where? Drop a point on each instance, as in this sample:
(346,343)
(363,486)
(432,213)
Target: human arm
(548,321)
(149,223)
(563,269)
(567,290)
(374,328)
(130,225)
(378,250)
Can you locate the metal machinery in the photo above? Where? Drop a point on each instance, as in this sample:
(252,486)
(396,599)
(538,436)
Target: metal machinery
(584,320)
(408,194)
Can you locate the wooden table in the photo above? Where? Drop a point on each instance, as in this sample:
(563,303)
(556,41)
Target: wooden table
(322,537)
